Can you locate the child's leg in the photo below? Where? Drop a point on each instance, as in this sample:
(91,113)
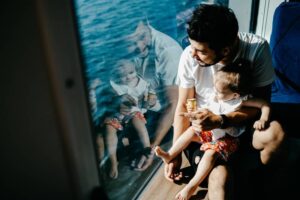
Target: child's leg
(206,164)
(180,144)
(145,158)
(111,140)
(100,145)
(141,130)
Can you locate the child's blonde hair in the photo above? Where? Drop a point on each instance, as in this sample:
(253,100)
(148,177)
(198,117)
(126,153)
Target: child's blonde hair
(236,76)
(117,71)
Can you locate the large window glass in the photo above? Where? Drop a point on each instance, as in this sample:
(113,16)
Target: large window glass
(131,51)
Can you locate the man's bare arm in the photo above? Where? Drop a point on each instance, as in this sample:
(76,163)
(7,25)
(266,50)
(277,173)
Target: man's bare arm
(248,113)
(205,120)
(166,120)
(261,104)
(208,120)
(181,123)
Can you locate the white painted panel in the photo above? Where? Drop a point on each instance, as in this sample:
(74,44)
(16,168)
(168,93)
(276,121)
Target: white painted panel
(265,17)
(242,10)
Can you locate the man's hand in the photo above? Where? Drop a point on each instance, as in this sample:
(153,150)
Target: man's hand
(204,120)
(172,172)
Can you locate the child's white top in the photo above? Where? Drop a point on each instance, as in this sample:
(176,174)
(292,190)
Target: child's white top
(219,107)
(137,92)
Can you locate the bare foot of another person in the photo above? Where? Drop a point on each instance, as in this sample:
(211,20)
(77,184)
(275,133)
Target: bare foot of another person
(185,193)
(165,156)
(113,171)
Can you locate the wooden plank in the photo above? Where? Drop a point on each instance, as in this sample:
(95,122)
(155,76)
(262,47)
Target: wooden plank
(160,188)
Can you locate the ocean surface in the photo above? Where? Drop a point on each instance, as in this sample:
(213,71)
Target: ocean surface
(103,24)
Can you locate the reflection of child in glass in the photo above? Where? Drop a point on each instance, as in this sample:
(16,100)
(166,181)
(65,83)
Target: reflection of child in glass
(230,83)
(133,92)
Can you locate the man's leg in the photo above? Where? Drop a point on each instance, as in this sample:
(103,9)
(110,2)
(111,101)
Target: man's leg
(268,141)
(220,180)
(220,184)
(204,167)
(192,153)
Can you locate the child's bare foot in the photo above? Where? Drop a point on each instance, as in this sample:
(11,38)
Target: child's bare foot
(113,171)
(185,193)
(143,160)
(165,156)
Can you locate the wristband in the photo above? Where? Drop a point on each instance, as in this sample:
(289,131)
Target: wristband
(224,121)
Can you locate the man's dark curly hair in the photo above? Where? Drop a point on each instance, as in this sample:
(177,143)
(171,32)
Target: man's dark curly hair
(213,24)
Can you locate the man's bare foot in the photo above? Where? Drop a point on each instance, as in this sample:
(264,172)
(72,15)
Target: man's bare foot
(185,193)
(113,171)
(165,156)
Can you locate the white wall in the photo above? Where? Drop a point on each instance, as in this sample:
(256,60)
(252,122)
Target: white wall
(242,10)
(265,17)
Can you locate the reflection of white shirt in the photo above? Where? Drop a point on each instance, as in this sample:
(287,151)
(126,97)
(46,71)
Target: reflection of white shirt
(161,65)
(167,52)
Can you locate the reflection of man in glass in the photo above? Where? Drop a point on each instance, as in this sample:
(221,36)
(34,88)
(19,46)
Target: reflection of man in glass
(157,57)
(126,81)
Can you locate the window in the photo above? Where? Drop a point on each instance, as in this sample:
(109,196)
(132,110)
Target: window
(131,51)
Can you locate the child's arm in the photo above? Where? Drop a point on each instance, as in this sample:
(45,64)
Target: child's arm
(265,111)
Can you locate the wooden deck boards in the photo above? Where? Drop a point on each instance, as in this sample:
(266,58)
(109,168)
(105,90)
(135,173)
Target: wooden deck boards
(161,189)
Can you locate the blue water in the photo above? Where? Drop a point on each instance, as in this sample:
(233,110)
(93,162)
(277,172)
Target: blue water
(104,23)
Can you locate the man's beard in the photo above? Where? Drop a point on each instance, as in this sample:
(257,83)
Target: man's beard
(217,59)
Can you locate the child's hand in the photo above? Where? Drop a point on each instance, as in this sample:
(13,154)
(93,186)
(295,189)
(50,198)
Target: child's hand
(260,124)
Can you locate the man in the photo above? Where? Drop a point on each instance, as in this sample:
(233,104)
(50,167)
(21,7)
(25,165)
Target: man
(215,42)
(157,57)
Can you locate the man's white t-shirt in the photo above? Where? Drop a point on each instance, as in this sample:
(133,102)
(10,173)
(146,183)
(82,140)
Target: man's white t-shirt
(251,47)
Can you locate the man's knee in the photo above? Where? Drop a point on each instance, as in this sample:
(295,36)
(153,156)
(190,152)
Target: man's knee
(279,134)
(218,176)
(271,137)
(217,182)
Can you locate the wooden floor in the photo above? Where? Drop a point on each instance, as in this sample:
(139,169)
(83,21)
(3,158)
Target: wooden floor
(161,189)
(272,183)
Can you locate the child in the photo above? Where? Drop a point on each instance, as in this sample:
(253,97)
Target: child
(132,91)
(230,85)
